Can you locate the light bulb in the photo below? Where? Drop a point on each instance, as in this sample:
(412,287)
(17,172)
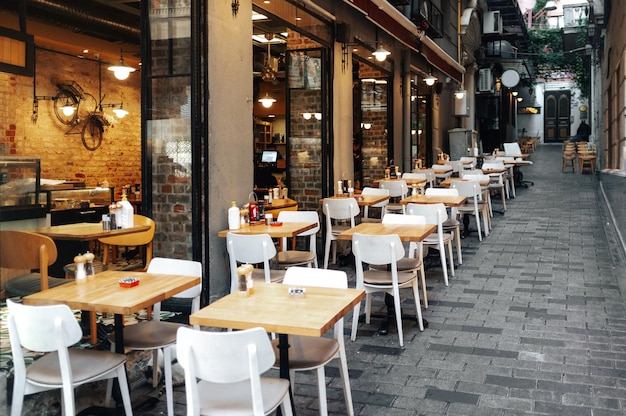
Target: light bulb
(318,116)
(120,112)
(121,70)
(68,109)
(267,101)
(430,80)
(459,94)
(307,116)
(381,54)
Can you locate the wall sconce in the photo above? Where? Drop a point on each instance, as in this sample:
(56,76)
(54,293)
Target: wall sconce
(514,93)
(381,53)
(65,102)
(121,70)
(520,99)
(307,116)
(430,80)
(267,100)
(366,126)
(459,94)
(318,116)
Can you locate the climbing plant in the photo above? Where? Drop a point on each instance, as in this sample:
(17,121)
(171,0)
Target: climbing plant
(551,61)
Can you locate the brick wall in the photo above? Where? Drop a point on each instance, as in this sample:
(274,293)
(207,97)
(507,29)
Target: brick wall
(59,146)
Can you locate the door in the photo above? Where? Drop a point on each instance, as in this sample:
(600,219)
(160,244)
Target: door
(557,116)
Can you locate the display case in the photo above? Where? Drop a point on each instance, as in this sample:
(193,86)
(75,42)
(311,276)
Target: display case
(68,206)
(20,179)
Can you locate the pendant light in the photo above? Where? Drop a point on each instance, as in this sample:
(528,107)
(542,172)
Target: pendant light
(121,70)
(430,80)
(267,100)
(381,53)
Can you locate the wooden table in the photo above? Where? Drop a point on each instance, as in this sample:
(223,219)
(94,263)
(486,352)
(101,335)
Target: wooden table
(447,200)
(271,307)
(448,182)
(85,231)
(409,181)
(407,233)
(363,200)
(104,294)
(286,230)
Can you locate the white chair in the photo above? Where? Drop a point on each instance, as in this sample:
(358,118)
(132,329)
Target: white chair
(54,329)
(436,214)
(452,224)
(159,336)
(468,162)
(252,249)
(509,177)
(223,373)
(457,166)
(477,175)
(374,191)
(474,205)
(414,259)
(430,177)
(512,149)
(313,353)
(338,211)
(398,190)
(497,180)
(382,250)
(287,258)
(441,176)
(419,188)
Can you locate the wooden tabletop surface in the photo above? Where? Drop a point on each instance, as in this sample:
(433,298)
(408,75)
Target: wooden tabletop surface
(406,232)
(409,181)
(448,181)
(271,307)
(287,229)
(104,294)
(362,200)
(447,200)
(85,231)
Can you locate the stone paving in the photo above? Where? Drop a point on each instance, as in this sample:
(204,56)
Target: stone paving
(532,324)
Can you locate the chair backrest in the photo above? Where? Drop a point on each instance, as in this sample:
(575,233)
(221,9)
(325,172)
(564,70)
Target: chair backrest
(224,357)
(470,189)
(377,249)
(430,176)
(24,251)
(493,165)
(397,188)
(308,276)
(376,191)
(301,216)
(512,149)
(470,159)
(434,213)
(340,209)
(412,175)
(180,267)
(253,249)
(457,165)
(437,166)
(442,191)
(471,172)
(135,239)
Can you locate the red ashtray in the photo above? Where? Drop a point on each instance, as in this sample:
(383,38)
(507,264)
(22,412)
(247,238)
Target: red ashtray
(276,224)
(129,282)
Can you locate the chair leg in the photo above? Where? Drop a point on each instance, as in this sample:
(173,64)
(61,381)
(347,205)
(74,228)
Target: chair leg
(442,256)
(321,389)
(345,377)
(457,236)
(418,307)
(398,313)
(450,256)
(123,383)
(169,391)
(93,327)
(355,321)
(327,252)
(423,283)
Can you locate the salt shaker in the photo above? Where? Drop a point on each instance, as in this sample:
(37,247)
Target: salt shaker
(81,275)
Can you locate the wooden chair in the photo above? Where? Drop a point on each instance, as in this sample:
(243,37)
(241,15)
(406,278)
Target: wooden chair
(569,156)
(143,240)
(22,252)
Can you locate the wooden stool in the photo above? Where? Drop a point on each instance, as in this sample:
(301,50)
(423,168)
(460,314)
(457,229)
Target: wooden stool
(587,161)
(568,161)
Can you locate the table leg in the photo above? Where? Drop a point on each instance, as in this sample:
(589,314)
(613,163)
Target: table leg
(283,348)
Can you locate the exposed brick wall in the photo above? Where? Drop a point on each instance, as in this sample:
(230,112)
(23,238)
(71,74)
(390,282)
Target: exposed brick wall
(62,154)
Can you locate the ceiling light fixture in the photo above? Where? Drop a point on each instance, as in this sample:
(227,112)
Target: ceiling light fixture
(430,80)
(381,53)
(307,116)
(520,99)
(121,70)
(267,101)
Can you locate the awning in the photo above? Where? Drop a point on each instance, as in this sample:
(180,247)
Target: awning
(389,19)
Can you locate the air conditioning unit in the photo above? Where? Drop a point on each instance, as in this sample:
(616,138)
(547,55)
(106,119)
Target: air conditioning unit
(485,80)
(492,23)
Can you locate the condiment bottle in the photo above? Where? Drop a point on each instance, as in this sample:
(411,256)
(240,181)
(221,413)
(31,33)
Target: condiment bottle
(126,213)
(113,221)
(89,271)
(81,276)
(244,284)
(234,222)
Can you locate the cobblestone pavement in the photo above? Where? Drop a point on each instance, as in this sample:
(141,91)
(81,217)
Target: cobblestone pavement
(532,324)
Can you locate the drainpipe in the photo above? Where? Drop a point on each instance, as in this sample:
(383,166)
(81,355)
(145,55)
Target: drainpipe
(406,111)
